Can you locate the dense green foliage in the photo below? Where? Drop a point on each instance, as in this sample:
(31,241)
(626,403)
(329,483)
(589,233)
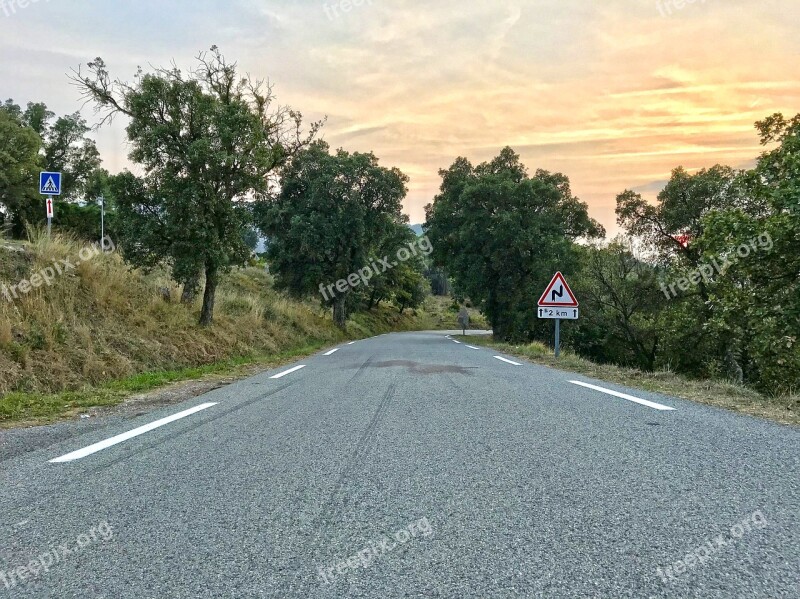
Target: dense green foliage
(501,235)
(32,140)
(335,215)
(704,282)
(713,289)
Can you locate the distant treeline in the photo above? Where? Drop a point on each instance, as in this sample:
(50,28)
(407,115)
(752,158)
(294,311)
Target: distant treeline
(218,160)
(706,282)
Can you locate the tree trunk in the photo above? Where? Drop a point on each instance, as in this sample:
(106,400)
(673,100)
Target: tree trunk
(190,289)
(207,313)
(340,311)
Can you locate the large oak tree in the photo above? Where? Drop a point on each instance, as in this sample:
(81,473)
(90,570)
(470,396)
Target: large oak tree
(209,142)
(501,234)
(333,217)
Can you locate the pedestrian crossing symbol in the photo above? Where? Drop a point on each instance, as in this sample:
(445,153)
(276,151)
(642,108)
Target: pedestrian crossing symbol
(50,184)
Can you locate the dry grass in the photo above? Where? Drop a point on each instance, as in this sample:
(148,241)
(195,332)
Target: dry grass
(63,344)
(722,394)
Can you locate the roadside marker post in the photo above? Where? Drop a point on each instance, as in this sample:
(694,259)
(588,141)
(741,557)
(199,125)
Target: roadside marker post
(557,303)
(102,221)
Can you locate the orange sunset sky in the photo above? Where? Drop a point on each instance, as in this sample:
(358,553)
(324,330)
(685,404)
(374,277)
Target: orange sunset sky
(613,93)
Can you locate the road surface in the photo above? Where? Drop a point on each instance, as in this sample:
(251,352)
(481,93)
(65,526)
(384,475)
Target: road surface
(407,465)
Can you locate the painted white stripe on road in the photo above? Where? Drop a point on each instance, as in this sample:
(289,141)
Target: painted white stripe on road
(454,341)
(472,347)
(290,371)
(509,361)
(351,343)
(82,453)
(644,402)
(333,351)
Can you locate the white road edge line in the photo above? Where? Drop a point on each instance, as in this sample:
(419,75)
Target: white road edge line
(454,341)
(82,453)
(473,347)
(333,351)
(285,372)
(509,361)
(644,402)
(351,343)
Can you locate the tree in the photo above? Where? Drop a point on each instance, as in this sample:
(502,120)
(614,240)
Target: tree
(757,302)
(62,146)
(19,166)
(670,231)
(741,319)
(209,142)
(333,213)
(621,303)
(501,235)
(403,284)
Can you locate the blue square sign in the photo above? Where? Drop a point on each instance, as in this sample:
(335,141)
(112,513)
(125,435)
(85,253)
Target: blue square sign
(50,184)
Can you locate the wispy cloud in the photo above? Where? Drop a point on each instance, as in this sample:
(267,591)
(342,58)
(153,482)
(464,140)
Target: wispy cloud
(611,93)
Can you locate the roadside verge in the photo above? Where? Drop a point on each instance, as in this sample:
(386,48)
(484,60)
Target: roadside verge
(721,394)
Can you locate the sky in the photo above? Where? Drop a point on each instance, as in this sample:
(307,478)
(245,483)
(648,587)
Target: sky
(613,93)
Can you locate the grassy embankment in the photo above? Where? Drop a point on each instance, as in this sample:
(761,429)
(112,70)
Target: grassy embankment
(101,332)
(717,393)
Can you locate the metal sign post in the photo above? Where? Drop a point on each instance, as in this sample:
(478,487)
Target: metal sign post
(49,205)
(558,337)
(557,303)
(102,220)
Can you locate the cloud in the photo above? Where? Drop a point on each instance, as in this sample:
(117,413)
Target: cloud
(611,93)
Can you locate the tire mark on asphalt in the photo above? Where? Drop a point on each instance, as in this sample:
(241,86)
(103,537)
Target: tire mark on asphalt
(198,424)
(330,511)
(360,453)
(360,370)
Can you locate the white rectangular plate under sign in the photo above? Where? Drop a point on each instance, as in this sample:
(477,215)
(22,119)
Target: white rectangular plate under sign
(562,313)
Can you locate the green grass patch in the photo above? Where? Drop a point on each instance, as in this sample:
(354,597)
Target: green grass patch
(41,408)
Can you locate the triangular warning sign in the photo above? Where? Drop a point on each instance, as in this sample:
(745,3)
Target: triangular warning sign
(558,294)
(50,186)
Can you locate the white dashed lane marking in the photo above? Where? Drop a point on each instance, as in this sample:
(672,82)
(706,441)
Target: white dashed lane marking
(285,372)
(82,453)
(508,361)
(644,402)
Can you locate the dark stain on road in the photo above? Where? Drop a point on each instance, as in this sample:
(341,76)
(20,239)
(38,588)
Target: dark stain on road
(417,368)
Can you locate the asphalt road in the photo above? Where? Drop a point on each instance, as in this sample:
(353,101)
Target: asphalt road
(406,465)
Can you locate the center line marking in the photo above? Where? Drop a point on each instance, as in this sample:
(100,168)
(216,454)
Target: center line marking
(82,453)
(333,351)
(644,402)
(509,361)
(290,371)
(472,347)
